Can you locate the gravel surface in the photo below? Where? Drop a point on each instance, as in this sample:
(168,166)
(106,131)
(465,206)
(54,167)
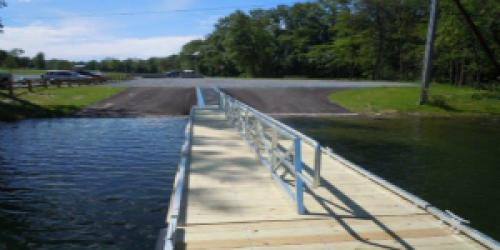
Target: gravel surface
(306,101)
(144,101)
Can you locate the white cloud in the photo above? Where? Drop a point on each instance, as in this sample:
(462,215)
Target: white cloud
(84,40)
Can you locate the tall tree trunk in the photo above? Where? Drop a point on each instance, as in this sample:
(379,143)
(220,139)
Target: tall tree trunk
(462,74)
(451,72)
(380,45)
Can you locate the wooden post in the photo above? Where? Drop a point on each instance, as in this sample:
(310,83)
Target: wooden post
(30,86)
(431,33)
(11,88)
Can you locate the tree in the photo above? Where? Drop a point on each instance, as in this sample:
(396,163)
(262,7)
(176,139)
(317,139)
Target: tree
(2,5)
(39,61)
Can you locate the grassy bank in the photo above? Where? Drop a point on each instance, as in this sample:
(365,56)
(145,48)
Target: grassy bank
(444,100)
(51,102)
(24,71)
(118,76)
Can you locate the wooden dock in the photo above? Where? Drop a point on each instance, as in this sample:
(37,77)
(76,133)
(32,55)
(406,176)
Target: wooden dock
(230,199)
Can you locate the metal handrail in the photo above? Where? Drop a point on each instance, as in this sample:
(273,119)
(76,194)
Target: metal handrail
(167,242)
(283,129)
(263,134)
(227,102)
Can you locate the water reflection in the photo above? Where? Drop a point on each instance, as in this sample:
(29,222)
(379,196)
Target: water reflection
(451,162)
(86,183)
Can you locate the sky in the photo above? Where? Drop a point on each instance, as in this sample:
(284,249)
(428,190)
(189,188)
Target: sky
(98,29)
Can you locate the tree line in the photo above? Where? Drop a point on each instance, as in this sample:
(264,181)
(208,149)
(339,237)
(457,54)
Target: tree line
(369,39)
(357,39)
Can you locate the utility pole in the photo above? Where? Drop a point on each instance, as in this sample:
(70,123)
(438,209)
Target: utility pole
(429,46)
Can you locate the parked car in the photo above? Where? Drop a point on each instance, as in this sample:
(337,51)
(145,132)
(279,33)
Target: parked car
(97,77)
(60,76)
(173,74)
(5,78)
(189,73)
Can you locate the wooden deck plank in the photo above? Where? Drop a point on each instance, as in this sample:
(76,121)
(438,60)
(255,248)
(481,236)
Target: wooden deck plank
(232,202)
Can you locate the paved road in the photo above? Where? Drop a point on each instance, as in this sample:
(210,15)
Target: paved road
(252,83)
(144,101)
(305,101)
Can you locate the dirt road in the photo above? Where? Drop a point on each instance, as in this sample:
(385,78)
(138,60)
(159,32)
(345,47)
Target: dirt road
(144,101)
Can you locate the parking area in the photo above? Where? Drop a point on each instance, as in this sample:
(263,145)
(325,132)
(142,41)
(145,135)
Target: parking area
(253,83)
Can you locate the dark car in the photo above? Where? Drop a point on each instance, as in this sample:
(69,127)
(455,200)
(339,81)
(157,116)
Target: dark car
(5,78)
(173,74)
(189,73)
(97,77)
(60,76)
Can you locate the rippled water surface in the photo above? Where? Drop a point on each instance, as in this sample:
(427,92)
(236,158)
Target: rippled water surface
(86,183)
(452,163)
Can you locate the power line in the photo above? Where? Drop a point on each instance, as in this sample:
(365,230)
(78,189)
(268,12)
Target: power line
(151,12)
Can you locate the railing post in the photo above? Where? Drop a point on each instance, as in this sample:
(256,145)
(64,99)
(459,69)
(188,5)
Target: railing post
(299,184)
(245,123)
(221,102)
(317,165)
(200,98)
(274,145)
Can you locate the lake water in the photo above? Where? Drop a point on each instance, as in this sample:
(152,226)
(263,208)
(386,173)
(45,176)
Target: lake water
(105,183)
(453,163)
(86,183)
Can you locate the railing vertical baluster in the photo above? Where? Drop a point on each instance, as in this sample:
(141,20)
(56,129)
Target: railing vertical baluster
(245,120)
(274,145)
(317,165)
(299,184)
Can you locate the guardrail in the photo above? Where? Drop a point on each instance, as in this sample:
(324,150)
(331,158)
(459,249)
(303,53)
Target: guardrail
(167,238)
(264,134)
(278,147)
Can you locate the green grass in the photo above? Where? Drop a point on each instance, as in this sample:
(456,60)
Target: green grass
(444,100)
(118,76)
(24,71)
(51,102)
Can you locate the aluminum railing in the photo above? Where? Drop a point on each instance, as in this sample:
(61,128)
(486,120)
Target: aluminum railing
(167,239)
(278,146)
(269,139)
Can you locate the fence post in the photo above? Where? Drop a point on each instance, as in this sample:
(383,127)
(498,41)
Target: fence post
(30,85)
(11,88)
(317,165)
(299,184)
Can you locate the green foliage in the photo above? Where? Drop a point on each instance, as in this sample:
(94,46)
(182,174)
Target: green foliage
(371,39)
(39,61)
(374,39)
(444,99)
